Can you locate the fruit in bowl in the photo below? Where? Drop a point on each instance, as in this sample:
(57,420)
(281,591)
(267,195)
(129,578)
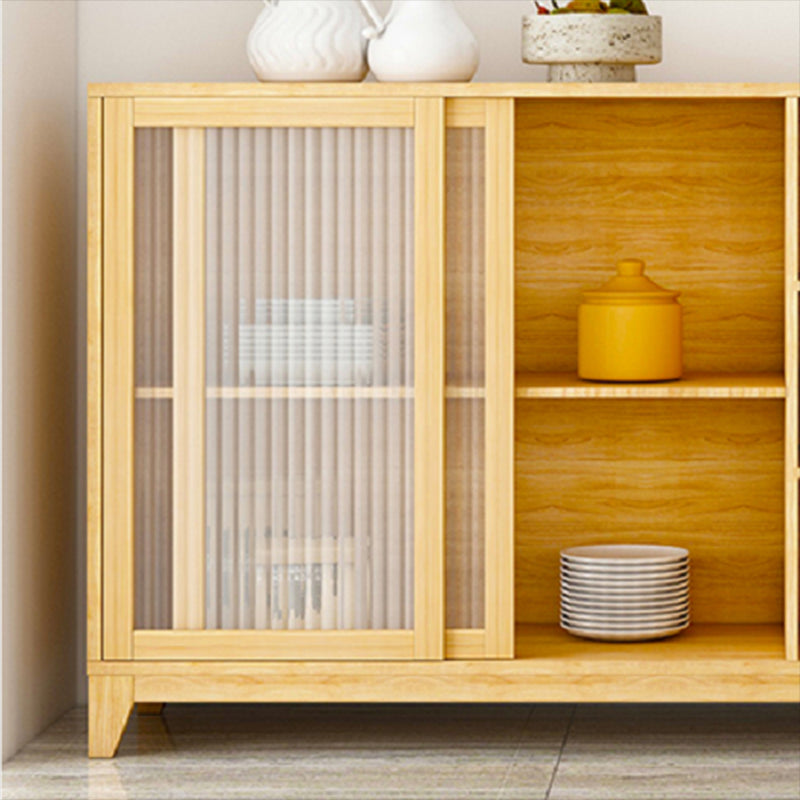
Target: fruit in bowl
(593,7)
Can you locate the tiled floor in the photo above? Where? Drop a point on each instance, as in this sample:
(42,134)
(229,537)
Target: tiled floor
(360,752)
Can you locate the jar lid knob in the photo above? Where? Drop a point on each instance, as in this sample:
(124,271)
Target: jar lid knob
(630,267)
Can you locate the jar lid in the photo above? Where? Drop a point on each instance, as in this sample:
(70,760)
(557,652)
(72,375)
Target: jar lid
(630,284)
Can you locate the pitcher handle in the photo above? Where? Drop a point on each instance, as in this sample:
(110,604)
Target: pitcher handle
(378,23)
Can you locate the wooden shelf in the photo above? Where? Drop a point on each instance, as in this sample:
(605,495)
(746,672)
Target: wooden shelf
(697,643)
(311,392)
(756,386)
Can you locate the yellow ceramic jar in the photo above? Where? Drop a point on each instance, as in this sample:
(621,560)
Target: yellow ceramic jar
(630,329)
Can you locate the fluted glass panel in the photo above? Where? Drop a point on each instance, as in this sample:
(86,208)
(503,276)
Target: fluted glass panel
(465,478)
(309,373)
(153,513)
(153,371)
(153,257)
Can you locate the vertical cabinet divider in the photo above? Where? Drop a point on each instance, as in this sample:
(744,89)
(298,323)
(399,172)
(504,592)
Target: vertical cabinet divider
(429,379)
(118,390)
(188,358)
(499,444)
(94,388)
(792,364)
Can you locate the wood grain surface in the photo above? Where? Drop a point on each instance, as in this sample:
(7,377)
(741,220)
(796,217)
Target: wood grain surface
(695,188)
(702,474)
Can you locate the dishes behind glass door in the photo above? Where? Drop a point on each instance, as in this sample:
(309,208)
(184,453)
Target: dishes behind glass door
(310,342)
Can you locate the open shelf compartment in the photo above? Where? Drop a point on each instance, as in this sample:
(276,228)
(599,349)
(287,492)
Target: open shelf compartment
(699,474)
(695,188)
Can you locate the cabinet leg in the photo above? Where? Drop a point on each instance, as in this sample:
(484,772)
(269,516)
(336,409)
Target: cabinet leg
(110,704)
(149,709)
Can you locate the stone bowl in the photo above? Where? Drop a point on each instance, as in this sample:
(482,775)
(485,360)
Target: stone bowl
(591,47)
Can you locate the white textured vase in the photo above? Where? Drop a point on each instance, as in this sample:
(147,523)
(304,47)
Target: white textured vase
(421,40)
(591,47)
(308,40)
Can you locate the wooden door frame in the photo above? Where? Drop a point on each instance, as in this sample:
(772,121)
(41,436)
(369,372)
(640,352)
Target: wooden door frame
(495,117)
(121,116)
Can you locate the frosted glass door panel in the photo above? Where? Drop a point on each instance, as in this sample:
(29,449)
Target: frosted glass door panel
(310,379)
(466,383)
(153,257)
(153,374)
(153,513)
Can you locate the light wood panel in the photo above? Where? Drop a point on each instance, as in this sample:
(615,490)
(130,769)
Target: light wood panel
(476,89)
(792,362)
(279,112)
(757,385)
(118,379)
(465,113)
(695,188)
(188,406)
(429,379)
(552,687)
(94,375)
(702,474)
(499,614)
(186,645)
(110,705)
(465,643)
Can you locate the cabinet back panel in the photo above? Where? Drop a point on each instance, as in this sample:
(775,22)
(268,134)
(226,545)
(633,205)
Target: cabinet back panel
(694,187)
(701,474)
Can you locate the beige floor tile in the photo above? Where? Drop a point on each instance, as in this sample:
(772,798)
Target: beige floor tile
(664,752)
(282,752)
(537,755)
(452,752)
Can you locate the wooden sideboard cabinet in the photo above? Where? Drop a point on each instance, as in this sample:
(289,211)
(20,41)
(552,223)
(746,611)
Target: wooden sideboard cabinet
(336,440)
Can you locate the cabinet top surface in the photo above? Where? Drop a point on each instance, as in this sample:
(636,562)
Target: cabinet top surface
(475,90)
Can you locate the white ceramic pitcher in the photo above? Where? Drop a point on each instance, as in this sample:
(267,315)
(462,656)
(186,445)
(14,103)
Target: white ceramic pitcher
(421,40)
(308,40)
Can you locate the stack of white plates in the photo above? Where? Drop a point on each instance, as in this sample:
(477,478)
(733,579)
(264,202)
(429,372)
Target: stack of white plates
(624,593)
(314,354)
(311,342)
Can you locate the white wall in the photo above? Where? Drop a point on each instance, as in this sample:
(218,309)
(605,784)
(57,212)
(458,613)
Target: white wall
(40,349)
(187,40)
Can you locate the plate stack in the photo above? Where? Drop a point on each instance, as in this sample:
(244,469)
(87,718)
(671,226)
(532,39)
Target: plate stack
(624,593)
(307,342)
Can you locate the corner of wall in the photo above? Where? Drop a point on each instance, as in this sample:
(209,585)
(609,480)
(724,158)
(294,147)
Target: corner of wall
(39,177)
